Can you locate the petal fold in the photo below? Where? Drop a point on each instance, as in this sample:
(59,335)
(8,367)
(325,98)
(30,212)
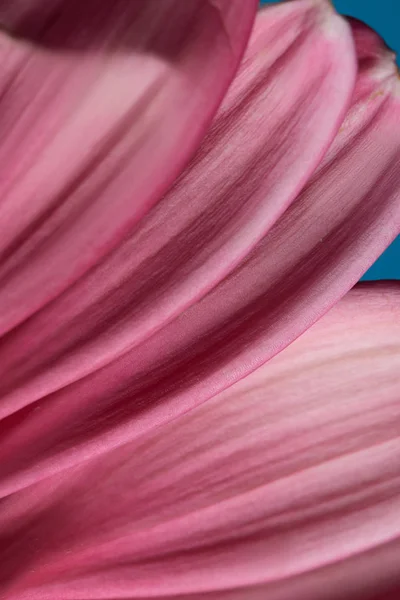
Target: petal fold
(99,348)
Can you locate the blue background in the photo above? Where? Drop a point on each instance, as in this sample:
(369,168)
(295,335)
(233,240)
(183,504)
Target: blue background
(384,17)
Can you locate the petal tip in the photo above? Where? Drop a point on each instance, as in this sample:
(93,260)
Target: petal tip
(375,57)
(333,24)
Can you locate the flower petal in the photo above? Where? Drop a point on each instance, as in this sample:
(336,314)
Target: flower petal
(286,480)
(102,105)
(297,76)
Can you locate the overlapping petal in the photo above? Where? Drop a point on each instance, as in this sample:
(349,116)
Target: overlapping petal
(286,485)
(102,105)
(96,357)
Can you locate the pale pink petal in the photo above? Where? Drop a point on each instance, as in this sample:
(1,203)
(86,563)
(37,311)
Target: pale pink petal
(281,113)
(102,104)
(289,480)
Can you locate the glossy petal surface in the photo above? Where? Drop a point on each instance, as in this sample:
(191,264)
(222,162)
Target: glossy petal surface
(287,483)
(95,359)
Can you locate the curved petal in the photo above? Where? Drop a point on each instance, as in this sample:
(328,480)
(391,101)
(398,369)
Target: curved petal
(289,480)
(102,105)
(297,76)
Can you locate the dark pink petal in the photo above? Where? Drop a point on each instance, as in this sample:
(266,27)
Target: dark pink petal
(102,104)
(287,485)
(86,354)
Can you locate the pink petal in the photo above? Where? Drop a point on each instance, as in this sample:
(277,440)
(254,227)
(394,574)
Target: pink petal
(286,485)
(297,77)
(102,104)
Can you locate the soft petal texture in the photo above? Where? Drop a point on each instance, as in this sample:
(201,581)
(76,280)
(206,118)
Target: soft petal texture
(94,361)
(285,486)
(102,104)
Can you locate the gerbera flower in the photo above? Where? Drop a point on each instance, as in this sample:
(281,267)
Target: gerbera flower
(149,446)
